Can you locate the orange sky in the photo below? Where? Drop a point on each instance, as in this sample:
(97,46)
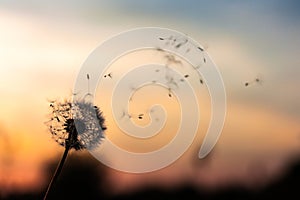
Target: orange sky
(40,58)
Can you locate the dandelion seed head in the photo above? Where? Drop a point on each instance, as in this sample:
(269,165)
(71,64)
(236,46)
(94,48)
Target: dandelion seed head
(78,125)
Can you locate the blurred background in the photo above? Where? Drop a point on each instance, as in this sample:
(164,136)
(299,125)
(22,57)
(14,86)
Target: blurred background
(43,45)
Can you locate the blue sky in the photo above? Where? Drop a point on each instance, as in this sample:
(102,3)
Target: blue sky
(207,11)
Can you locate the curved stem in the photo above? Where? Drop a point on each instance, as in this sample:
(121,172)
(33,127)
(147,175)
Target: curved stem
(57,171)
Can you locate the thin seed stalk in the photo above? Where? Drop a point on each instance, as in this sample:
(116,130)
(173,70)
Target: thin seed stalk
(57,171)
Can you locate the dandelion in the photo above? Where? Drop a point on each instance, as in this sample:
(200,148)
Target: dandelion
(75,125)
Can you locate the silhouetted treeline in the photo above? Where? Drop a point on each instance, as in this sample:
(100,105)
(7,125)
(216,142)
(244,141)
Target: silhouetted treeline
(82,179)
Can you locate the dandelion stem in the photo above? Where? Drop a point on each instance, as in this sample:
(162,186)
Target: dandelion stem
(57,171)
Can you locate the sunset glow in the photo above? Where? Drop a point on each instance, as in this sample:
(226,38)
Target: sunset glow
(41,54)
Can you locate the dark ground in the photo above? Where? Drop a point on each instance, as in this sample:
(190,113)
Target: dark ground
(80,179)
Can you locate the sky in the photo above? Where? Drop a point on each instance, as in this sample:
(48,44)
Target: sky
(44,44)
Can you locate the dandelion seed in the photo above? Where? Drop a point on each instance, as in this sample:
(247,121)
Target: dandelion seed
(159,49)
(140,116)
(171,59)
(108,75)
(169,92)
(201,49)
(167,38)
(171,39)
(257,80)
(196,67)
(58,120)
(125,114)
(181,43)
